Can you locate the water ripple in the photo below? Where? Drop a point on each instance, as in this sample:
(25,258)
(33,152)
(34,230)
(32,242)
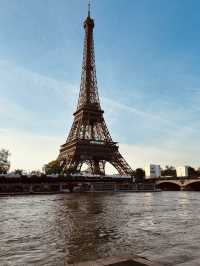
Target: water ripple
(56,229)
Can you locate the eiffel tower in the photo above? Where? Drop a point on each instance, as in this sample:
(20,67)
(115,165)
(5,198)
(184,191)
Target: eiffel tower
(89,141)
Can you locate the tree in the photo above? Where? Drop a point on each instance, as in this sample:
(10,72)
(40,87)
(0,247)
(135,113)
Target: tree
(139,175)
(192,172)
(198,172)
(18,172)
(4,162)
(52,167)
(169,171)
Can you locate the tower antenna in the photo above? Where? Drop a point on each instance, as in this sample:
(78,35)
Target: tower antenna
(89,8)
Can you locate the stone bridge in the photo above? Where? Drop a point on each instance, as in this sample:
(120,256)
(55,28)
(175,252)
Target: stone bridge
(179,184)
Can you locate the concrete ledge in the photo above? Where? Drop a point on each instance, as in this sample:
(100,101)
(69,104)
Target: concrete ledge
(191,263)
(119,261)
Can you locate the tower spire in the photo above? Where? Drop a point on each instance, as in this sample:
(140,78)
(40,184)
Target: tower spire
(88,89)
(89,8)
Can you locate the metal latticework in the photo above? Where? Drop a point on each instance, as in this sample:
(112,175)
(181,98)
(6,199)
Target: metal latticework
(89,140)
(88,90)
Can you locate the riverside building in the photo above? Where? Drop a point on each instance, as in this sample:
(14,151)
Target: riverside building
(152,171)
(182,171)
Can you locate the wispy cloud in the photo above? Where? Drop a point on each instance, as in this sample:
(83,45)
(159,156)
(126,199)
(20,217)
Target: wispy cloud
(141,113)
(35,111)
(30,100)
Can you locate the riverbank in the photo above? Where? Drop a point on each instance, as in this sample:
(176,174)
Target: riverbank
(68,192)
(47,185)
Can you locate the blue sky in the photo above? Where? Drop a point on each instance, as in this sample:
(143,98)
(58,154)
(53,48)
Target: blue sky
(147,57)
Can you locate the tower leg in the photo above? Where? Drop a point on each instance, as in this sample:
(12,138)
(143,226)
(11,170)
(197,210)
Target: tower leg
(121,165)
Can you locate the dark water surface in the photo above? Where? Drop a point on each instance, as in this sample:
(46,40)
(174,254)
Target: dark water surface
(57,229)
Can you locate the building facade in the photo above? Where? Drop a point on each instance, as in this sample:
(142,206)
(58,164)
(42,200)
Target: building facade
(182,171)
(152,171)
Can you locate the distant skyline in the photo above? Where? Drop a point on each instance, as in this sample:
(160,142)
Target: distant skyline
(147,58)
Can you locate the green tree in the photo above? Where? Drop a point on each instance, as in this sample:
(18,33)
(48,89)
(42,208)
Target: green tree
(139,175)
(198,172)
(18,172)
(4,162)
(192,172)
(169,171)
(52,167)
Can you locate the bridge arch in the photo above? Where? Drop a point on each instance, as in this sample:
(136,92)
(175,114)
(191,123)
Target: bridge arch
(193,185)
(169,185)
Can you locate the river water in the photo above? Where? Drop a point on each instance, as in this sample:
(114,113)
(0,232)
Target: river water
(59,229)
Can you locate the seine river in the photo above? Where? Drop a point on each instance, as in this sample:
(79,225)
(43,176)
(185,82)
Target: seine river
(60,229)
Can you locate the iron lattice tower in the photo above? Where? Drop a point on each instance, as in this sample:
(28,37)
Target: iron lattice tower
(89,140)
